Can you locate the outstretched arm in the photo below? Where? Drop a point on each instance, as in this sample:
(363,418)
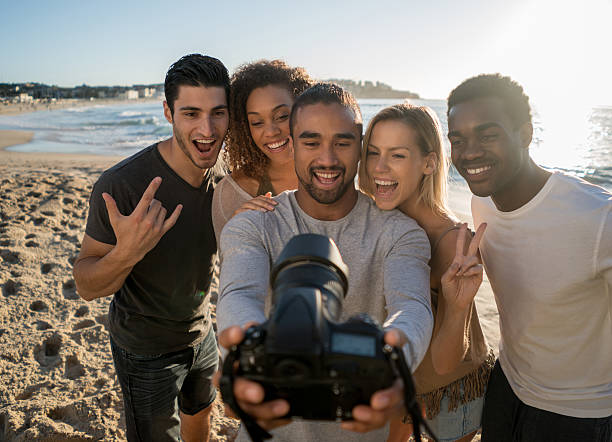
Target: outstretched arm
(100,269)
(407,298)
(243,278)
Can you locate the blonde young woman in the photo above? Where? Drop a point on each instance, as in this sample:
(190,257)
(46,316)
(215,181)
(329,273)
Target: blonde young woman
(258,150)
(404,167)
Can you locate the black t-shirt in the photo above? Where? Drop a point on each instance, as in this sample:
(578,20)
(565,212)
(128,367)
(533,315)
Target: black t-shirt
(163,303)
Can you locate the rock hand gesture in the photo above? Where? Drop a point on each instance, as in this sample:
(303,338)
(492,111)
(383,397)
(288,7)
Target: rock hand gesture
(140,231)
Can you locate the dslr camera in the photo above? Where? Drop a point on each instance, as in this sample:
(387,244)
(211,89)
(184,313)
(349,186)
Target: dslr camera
(322,367)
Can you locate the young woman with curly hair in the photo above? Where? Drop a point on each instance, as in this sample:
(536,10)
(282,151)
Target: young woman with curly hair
(258,149)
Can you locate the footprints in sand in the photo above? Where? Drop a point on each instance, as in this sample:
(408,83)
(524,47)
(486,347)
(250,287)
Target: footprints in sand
(46,267)
(39,306)
(9,288)
(43,325)
(81,311)
(47,353)
(31,391)
(84,324)
(56,372)
(69,290)
(73,368)
(9,256)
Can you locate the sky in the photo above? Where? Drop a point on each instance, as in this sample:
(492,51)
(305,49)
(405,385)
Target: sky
(559,51)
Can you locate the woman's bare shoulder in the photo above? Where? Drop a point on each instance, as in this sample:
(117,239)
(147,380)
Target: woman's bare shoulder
(246,183)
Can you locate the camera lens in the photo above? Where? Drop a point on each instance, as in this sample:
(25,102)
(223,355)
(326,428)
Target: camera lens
(312,261)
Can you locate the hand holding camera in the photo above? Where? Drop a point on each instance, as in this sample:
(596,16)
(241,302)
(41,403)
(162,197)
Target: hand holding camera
(250,395)
(303,362)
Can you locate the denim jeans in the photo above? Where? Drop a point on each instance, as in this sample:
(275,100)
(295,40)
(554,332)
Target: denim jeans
(155,387)
(507,419)
(452,425)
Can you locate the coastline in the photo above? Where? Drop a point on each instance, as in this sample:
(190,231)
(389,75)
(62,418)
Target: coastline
(24,108)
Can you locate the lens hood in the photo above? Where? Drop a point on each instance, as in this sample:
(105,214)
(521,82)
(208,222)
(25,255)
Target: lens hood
(310,247)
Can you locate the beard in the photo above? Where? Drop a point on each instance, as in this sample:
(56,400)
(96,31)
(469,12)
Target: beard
(324,196)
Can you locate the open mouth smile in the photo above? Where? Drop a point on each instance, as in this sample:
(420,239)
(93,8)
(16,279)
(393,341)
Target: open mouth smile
(277,145)
(204,145)
(327,178)
(384,188)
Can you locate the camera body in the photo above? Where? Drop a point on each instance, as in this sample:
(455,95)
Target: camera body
(341,368)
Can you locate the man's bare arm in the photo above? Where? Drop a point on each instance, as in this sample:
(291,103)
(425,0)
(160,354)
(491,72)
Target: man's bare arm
(98,270)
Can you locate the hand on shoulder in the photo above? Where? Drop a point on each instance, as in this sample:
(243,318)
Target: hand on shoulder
(263,203)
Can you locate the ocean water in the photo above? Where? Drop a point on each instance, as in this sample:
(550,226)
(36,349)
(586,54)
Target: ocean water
(577,140)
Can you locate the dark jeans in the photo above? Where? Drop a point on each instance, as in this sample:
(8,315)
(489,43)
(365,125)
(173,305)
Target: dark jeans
(507,419)
(154,385)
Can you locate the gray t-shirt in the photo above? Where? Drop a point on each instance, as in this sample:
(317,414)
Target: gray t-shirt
(387,254)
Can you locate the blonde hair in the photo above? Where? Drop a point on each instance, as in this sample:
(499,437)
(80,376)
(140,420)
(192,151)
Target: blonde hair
(432,189)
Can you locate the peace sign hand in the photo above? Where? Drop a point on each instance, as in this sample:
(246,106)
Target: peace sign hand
(140,231)
(463,277)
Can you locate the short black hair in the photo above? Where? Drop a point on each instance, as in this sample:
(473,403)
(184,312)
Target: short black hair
(195,70)
(514,100)
(326,93)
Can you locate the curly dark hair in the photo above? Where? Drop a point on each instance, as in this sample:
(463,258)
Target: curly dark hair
(241,152)
(514,100)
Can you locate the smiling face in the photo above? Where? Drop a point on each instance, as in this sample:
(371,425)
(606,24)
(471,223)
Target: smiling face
(268,109)
(327,143)
(199,125)
(486,147)
(395,165)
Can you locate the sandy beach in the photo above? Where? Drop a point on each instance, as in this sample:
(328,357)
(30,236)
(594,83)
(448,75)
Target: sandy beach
(56,369)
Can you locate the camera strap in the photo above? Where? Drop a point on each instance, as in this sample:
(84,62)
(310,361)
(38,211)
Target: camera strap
(398,360)
(256,433)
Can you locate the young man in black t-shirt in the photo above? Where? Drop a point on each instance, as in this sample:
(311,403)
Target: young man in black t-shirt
(159,267)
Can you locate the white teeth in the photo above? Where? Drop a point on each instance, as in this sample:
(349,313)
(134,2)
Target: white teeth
(327,175)
(478,170)
(277,145)
(384,182)
(204,141)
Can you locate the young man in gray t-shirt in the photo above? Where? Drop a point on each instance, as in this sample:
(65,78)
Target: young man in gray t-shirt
(386,253)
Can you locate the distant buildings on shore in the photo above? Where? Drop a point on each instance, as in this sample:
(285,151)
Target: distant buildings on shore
(38,92)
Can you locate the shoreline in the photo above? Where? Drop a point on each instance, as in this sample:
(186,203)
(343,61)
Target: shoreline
(47,160)
(10,138)
(25,108)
